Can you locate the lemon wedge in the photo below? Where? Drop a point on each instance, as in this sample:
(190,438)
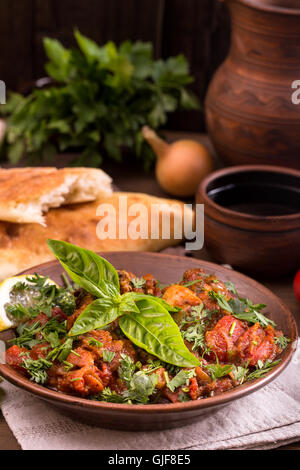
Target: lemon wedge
(6,287)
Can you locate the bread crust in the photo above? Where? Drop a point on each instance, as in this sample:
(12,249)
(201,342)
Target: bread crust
(24,245)
(27,193)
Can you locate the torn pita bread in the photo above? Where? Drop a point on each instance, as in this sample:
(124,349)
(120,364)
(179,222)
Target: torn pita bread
(24,245)
(27,193)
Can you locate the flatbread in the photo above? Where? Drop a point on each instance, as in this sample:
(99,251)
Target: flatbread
(24,245)
(27,193)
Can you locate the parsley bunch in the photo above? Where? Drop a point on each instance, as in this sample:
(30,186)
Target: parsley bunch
(102,98)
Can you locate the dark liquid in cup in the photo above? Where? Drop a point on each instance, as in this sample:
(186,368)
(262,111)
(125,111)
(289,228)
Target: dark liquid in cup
(260,199)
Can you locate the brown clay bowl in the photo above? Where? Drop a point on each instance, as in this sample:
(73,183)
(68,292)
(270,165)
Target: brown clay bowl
(167,269)
(252,218)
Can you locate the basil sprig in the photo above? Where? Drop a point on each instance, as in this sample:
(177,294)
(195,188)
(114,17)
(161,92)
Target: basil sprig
(144,319)
(96,275)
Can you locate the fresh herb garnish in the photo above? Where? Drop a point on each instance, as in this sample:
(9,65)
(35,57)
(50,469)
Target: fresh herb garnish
(231,287)
(183,397)
(95,342)
(239,373)
(144,319)
(242,309)
(262,369)
(232,328)
(39,296)
(282,341)
(138,282)
(140,385)
(126,368)
(108,355)
(62,351)
(182,378)
(197,320)
(110,396)
(37,369)
(191,283)
(217,370)
(68,366)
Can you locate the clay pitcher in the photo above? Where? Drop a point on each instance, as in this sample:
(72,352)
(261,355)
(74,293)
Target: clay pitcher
(252,109)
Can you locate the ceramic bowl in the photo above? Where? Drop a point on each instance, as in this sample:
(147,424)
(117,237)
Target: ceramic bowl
(166,268)
(252,218)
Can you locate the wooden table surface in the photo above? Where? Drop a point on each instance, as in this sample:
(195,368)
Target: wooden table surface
(130,178)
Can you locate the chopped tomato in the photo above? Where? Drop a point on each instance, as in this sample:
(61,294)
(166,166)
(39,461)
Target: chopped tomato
(84,381)
(193,388)
(15,356)
(297,285)
(257,344)
(40,350)
(223,337)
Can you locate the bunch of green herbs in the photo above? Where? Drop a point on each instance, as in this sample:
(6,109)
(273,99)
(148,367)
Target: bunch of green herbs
(101,98)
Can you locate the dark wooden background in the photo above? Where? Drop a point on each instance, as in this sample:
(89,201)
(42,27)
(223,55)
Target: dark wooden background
(197,28)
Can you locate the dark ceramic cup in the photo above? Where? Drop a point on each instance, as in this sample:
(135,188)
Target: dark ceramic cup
(252,218)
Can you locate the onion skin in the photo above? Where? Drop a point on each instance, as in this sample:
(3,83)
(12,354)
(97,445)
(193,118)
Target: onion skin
(2,129)
(180,166)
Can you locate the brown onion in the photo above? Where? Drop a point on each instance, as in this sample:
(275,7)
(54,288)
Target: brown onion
(180,166)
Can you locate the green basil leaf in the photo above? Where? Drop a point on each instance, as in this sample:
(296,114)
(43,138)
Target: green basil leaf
(137,296)
(154,330)
(96,315)
(128,304)
(86,268)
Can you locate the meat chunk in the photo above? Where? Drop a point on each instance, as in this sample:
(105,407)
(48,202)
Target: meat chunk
(80,358)
(83,382)
(40,350)
(219,386)
(223,337)
(15,356)
(257,344)
(181,297)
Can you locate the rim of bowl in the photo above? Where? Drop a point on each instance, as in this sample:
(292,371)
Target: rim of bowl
(238,392)
(257,5)
(228,216)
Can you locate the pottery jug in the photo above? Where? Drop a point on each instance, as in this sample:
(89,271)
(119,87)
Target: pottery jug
(253,101)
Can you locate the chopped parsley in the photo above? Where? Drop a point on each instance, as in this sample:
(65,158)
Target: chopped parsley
(231,287)
(138,282)
(242,309)
(262,369)
(182,378)
(197,321)
(95,342)
(108,355)
(217,371)
(62,351)
(239,373)
(126,368)
(37,369)
(282,341)
(110,396)
(68,365)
